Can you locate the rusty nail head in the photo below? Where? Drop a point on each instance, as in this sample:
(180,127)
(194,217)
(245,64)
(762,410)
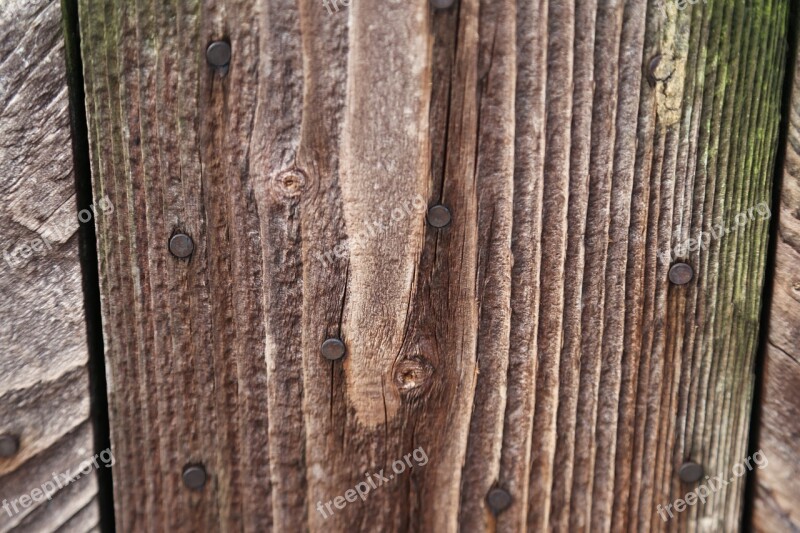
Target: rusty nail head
(681,274)
(194,477)
(333,349)
(442,4)
(438,216)
(498,499)
(181,245)
(218,54)
(690,472)
(9,445)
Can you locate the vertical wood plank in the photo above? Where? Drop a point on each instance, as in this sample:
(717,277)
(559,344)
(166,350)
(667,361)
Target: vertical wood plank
(534,344)
(494,175)
(44,379)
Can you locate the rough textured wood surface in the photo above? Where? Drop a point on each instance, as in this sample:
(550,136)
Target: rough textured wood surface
(44,381)
(777,486)
(535,344)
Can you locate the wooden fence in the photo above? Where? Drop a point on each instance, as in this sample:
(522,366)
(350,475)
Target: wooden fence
(518,248)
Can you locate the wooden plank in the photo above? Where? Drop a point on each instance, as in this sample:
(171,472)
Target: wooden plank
(44,381)
(777,484)
(534,344)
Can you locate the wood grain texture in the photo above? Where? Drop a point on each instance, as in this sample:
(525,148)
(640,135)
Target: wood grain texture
(777,484)
(534,344)
(44,381)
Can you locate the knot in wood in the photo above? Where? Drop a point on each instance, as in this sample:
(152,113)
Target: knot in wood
(413,375)
(290,183)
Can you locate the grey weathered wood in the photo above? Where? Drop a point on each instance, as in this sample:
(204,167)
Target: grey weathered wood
(44,381)
(534,344)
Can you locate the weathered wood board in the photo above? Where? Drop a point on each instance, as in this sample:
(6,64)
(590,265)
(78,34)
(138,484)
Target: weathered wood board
(44,381)
(533,344)
(777,486)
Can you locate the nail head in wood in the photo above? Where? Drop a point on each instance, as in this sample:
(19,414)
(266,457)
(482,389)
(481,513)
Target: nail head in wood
(681,274)
(9,445)
(438,216)
(333,349)
(442,4)
(181,245)
(194,477)
(690,472)
(498,499)
(218,54)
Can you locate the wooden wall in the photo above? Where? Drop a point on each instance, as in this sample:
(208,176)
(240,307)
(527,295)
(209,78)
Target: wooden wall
(535,344)
(530,360)
(44,381)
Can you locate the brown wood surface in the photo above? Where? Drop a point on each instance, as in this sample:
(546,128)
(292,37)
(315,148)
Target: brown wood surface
(44,381)
(534,344)
(777,485)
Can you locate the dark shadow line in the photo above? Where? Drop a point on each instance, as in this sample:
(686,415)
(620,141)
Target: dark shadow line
(88,258)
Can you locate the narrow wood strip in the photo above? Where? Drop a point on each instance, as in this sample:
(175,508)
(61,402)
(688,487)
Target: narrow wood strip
(561,27)
(278,187)
(325,46)
(494,175)
(642,252)
(604,106)
(569,368)
(625,141)
(530,101)
(691,29)
(439,414)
